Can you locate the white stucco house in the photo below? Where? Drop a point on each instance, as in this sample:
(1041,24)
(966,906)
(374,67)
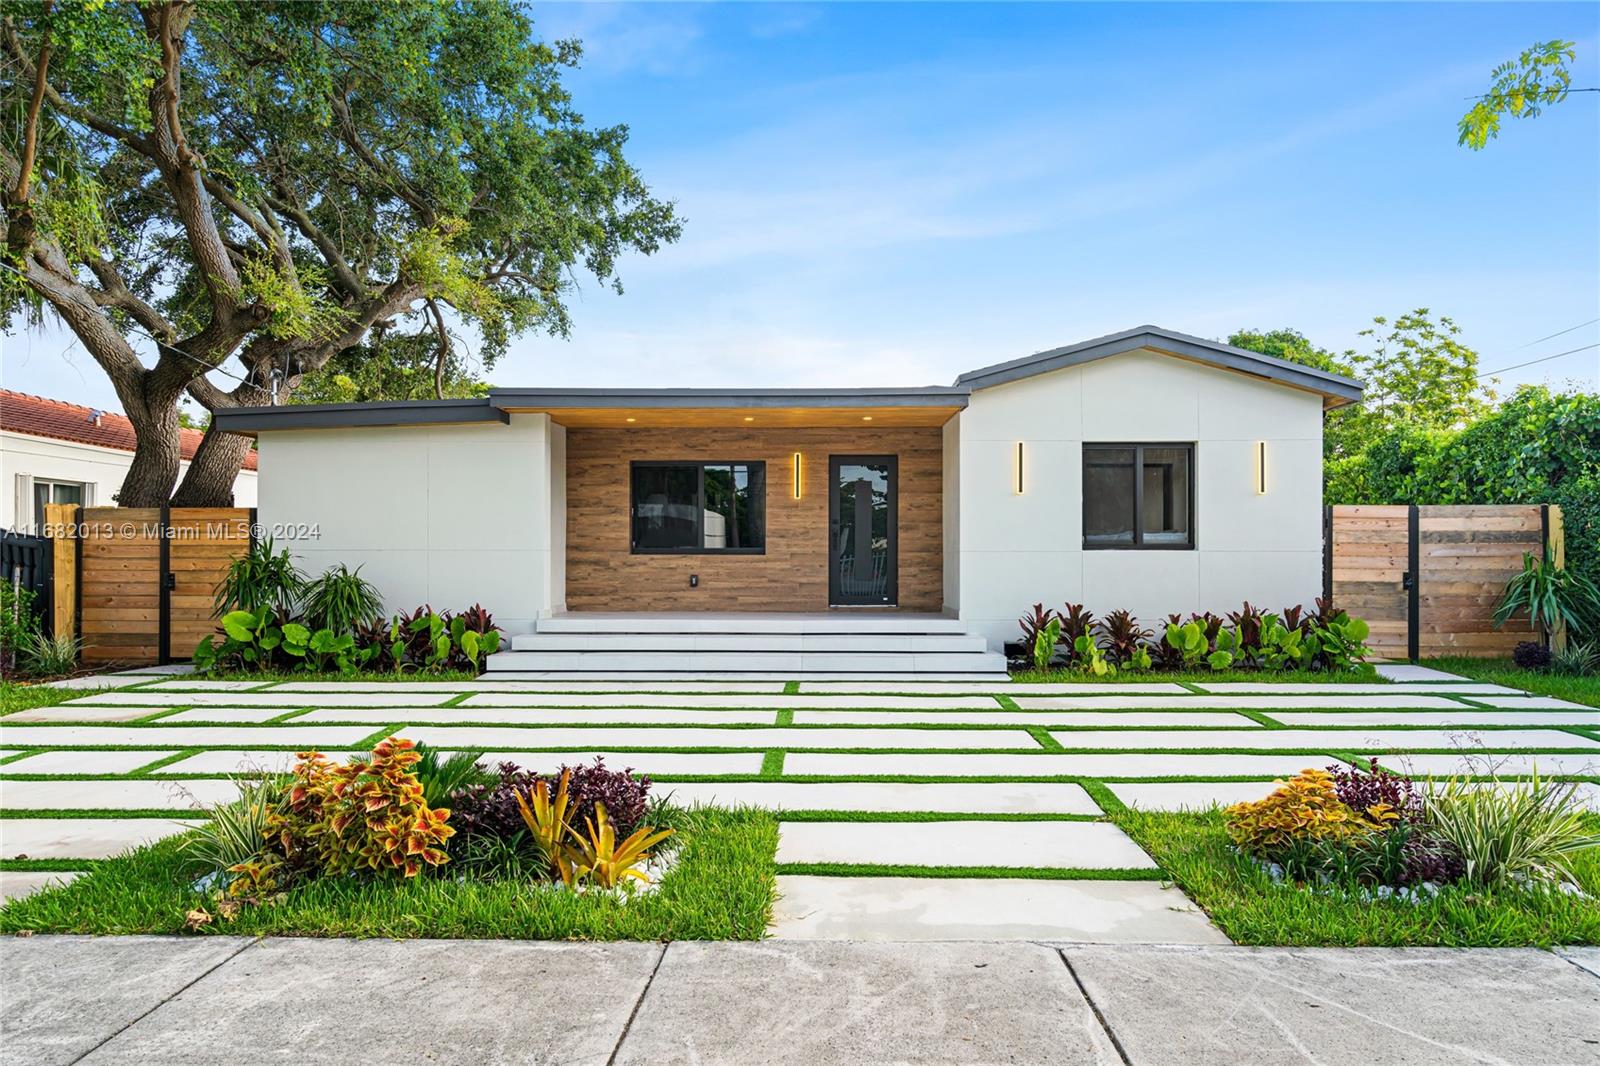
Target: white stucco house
(57,452)
(831,529)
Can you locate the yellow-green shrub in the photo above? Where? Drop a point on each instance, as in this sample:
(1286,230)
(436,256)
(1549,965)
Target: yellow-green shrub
(1306,807)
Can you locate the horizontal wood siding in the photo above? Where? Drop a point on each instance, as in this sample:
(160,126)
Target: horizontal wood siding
(1369,563)
(204,542)
(603,575)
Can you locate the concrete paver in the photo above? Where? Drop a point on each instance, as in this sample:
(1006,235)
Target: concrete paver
(84,762)
(1374,739)
(1224,1006)
(534,738)
(1000,797)
(787,1002)
(1084,845)
(139,794)
(337,1001)
(961,908)
(65,995)
(939,764)
(1466,717)
(1410,672)
(1058,719)
(1189,795)
(81,838)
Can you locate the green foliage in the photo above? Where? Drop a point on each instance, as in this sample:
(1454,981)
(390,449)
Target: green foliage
(236,832)
(1577,659)
(1522,89)
(1304,808)
(1283,648)
(260,578)
(1551,597)
(340,600)
(442,776)
(1044,643)
(51,656)
(600,857)
(366,816)
(1524,833)
(1229,647)
(1340,642)
(1536,447)
(1088,656)
(1189,640)
(18,624)
(258,640)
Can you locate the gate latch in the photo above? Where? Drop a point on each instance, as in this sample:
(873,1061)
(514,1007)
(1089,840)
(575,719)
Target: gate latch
(172,582)
(1405,581)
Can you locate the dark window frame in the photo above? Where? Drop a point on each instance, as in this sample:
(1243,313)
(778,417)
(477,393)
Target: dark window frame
(1139,447)
(700,508)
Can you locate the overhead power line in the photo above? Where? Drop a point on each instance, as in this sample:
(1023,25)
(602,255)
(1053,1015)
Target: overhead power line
(1569,329)
(1543,359)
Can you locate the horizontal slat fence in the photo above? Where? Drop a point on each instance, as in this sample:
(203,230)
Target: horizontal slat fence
(143,579)
(1427,579)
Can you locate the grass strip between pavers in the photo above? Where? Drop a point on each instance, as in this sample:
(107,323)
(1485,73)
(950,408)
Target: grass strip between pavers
(827,815)
(48,866)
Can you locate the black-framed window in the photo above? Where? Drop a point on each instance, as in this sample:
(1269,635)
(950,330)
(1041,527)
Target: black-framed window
(1138,496)
(693,507)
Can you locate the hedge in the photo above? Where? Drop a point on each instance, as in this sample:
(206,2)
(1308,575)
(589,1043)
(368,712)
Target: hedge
(1536,447)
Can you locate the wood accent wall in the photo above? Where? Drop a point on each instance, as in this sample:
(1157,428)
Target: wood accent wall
(603,574)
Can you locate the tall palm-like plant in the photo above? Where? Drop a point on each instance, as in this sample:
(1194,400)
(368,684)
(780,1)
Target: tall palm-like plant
(340,600)
(1552,597)
(261,577)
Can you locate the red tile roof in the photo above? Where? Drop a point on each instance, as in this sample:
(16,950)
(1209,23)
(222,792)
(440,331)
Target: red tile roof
(39,417)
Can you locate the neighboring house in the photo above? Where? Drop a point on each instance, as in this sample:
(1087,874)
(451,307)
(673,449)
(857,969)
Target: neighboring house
(55,452)
(1148,470)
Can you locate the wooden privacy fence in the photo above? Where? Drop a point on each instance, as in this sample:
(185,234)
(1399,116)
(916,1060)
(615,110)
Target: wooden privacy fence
(1427,579)
(137,584)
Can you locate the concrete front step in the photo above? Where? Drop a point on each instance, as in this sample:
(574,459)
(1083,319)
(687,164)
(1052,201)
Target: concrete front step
(791,664)
(650,640)
(839,621)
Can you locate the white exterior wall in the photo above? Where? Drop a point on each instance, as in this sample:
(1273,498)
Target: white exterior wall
(1017,550)
(443,515)
(24,457)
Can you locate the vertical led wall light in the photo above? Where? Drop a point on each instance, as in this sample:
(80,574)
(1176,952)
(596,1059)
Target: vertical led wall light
(797,475)
(1261,468)
(1018,482)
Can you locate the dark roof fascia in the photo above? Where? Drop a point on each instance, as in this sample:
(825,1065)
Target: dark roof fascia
(556,399)
(1335,386)
(341,415)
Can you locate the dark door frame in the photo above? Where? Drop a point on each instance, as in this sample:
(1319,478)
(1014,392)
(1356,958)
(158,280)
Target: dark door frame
(835,596)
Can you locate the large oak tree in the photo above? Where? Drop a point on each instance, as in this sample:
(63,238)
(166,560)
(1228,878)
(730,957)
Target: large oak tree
(266,186)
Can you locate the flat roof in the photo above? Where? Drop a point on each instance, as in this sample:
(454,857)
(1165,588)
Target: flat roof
(339,415)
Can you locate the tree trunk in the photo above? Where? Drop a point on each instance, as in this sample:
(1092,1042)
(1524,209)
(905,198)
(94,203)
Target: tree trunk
(154,470)
(211,473)
(215,466)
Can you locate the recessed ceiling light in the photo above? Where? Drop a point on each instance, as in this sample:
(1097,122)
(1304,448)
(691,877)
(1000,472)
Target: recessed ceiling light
(866,418)
(633,420)
(749,418)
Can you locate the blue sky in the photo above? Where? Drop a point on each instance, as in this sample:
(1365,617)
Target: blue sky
(893,194)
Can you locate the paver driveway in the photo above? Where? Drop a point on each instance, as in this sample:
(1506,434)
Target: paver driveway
(961,779)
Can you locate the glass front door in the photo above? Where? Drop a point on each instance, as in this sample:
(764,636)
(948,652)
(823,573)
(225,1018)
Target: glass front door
(861,530)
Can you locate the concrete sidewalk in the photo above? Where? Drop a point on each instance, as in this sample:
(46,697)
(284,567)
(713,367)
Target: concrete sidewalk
(241,1001)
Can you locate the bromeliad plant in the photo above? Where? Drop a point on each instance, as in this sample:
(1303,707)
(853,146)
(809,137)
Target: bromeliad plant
(595,856)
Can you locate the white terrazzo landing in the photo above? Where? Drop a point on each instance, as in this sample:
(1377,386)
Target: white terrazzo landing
(958,908)
(1483,762)
(137,794)
(1320,739)
(533,738)
(85,762)
(179,736)
(659,763)
(1411,672)
(81,838)
(536,715)
(1063,719)
(1083,845)
(1225,703)
(714,701)
(266,699)
(1467,716)
(77,712)
(941,764)
(1019,797)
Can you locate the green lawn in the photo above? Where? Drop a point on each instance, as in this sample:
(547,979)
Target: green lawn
(1245,903)
(15,696)
(721,888)
(1505,672)
(1363,675)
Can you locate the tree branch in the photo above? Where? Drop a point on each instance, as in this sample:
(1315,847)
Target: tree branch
(115,293)
(30,137)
